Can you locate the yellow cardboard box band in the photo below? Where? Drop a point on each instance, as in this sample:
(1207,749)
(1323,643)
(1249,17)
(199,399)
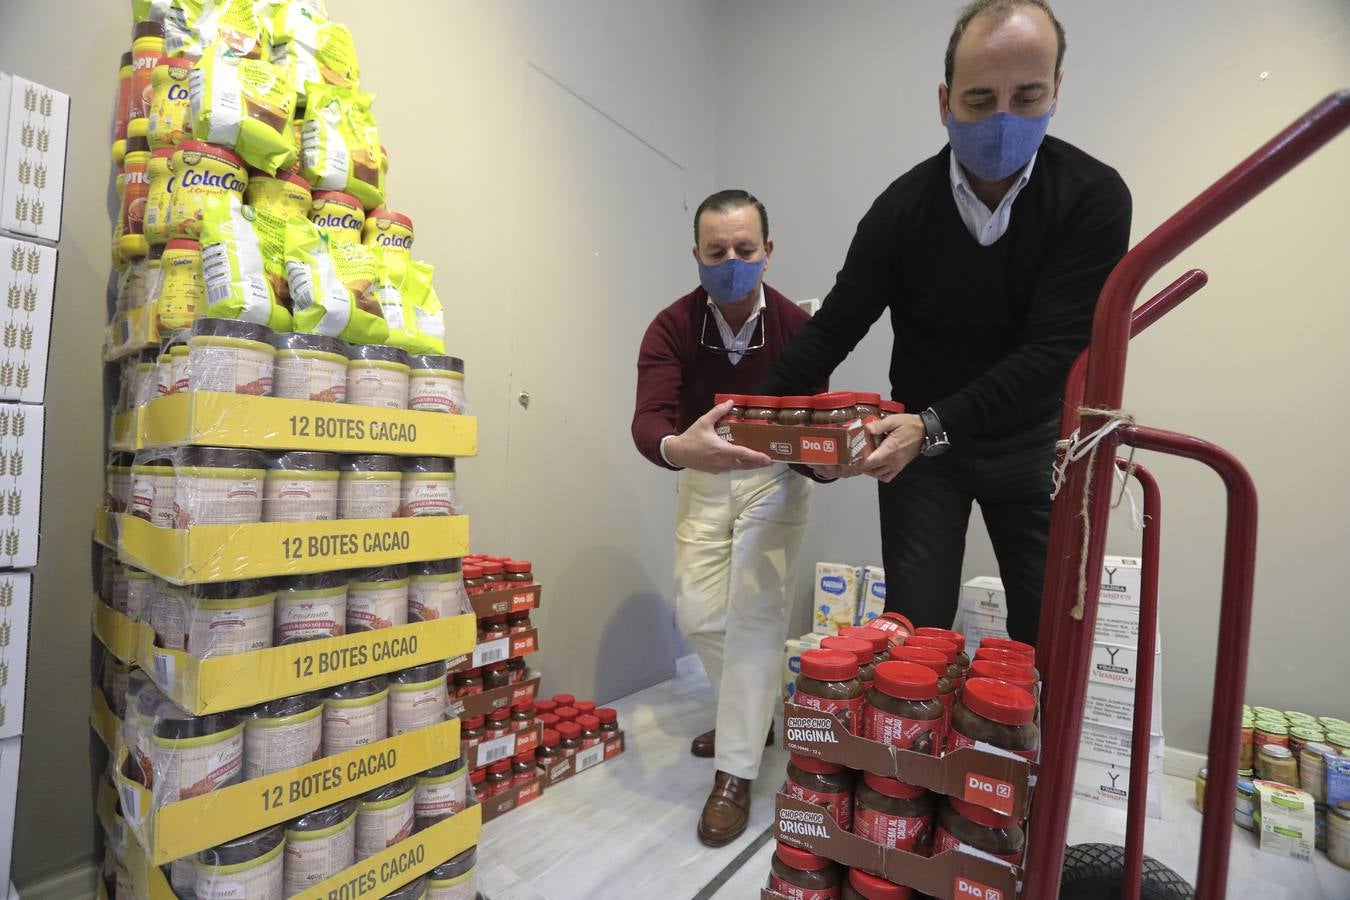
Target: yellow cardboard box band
(104,721)
(130,332)
(116,631)
(146,877)
(188,826)
(221,683)
(206,553)
(274,423)
(405,861)
(124,430)
(105,528)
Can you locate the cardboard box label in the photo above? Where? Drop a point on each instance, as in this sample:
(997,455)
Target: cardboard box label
(1121,579)
(836,597)
(873,594)
(821,445)
(27,290)
(994,793)
(969,888)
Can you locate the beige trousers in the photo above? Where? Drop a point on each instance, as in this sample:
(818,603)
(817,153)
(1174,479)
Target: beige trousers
(737,537)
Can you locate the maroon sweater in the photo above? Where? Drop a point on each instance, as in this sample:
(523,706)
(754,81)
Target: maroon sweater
(677,377)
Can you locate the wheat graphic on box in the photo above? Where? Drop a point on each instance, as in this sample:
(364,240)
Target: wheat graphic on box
(6,594)
(16,258)
(12,543)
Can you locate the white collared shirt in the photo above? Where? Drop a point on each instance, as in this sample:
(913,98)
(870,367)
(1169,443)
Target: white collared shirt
(738,342)
(985,226)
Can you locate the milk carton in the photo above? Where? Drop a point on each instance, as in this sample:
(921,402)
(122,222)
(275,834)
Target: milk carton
(873,594)
(836,597)
(792,664)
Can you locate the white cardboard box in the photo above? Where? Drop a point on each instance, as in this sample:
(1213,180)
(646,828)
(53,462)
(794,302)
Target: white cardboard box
(984,595)
(836,596)
(978,626)
(792,664)
(1117,623)
(1110,786)
(1113,706)
(27,291)
(34,120)
(1121,579)
(873,594)
(1114,664)
(20,483)
(15,594)
(1111,746)
(9,795)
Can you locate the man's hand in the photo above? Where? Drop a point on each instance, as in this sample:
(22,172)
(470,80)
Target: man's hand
(902,442)
(700,448)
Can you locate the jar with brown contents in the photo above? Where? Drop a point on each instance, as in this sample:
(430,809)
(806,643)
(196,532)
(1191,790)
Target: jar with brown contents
(795,410)
(893,814)
(833,408)
(469,682)
(861,885)
(499,778)
(877,639)
(473,580)
(955,637)
(473,733)
(498,723)
(522,716)
(522,768)
(937,664)
(737,409)
(570,738)
(609,720)
(494,575)
(862,652)
(516,670)
(518,573)
(946,648)
(866,404)
(760,409)
(822,783)
(996,713)
(495,676)
(800,873)
(1008,656)
(960,823)
(550,748)
(829,683)
(903,709)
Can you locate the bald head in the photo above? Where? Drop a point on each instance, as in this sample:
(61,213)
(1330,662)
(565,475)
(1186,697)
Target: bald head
(993,13)
(1004,56)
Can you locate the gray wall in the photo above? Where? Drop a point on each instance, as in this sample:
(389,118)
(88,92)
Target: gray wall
(826,104)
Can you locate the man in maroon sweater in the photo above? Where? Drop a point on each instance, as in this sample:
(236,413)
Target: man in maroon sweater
(740,518)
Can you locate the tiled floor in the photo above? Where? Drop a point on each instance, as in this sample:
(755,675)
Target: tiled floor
(626,829)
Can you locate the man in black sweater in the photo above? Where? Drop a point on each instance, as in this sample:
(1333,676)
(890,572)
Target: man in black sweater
(989,301)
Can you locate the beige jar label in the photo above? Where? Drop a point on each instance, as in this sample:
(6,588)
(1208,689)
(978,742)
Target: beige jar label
(298,498)
(311,859)
(414,706)
(152,498)
(375,386)
(168,617)
(219,630)
(427,496)
(437,798)
(361,498)
(270,746)
(372,606)
(465,887)
(435,597)
(365,721)
(195,766)
(307,615)
(183,876)
(231,369)
(310,378)
(230,500)
(379,829)
(259,879)
(140,594)
(436,393)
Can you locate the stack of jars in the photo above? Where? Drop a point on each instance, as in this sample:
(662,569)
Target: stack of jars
(919,692)
(828,409)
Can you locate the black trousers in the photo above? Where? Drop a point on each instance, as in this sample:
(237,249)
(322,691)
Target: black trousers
(925,511)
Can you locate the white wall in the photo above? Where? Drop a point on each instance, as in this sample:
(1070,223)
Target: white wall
(825,104)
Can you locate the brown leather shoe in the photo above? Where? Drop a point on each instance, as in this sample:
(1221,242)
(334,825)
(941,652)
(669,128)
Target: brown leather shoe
(726,812)
(705,745)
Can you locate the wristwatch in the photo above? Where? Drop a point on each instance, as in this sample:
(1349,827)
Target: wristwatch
(935,441)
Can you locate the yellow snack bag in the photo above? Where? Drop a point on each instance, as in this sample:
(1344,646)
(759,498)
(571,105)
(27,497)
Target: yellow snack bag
(321,54)
(430,320)
(402,288)
(246,104)
(341,145)
(322,302)
(242,258)
(192,25)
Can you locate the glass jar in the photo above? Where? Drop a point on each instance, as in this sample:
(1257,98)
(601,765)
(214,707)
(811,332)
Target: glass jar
(499,777)
(494,576)
(590,731)
(799,873)
(862,652)
(516,670)
(478,783)
(893,813)
(866,404)
(545,706)
(523,768)
(494,628)
(474,583)
(518,573)
(1312,769)
(861,885)
(937,664)
(569,734)
(495,676)
(550,748)
(566,713)
(564,699)
(1276,763)
(498,723)
(584,707)
(960,822)
(833,408)
(1338,834)
(468,682)
(1269,732)
(794,410)
(828,682)
(823,784)
(903,709)
(609,720)
(518,623)
(761,410)
(996,713)
(522,716)
(473,732)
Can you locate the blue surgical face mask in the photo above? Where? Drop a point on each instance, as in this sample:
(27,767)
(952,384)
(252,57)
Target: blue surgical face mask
(729,281)
(997,146)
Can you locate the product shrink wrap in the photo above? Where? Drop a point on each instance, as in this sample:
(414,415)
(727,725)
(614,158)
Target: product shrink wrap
(243,264)
(322,302)
(246,104)
(341,146)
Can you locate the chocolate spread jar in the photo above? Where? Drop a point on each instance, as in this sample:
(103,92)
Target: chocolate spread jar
(960,823)
(590,731)
(550,748)
(436,590)
(441,792)
(498,723)
(230,356)
(891,408)
(499,778)
(998,643)
(955,637)
(829,682)
(822,783)
(862,652)
(310,367)
(570,738)
(903,710)
(609,720)
(468,682)
(437,384)
(301,487)
(226,617)
(194,755)
(946,648)
(310,607)
(417,698)
(737,408)
(474,583)
(282,734)
(518,573)
(803,875)
(833,408)
(377,375)
(893,813)
(522,716)
(384,817)
(861,885)
(478,784)
(377,598)
(523,769)
(794,410)
(413,890)
(218,486)
(1008,656)
(355,714)
(866,404)
(247,867)
(760,409)
(455,879)
(473,732)
(877,639)
(937,663)
(996,713)
(369,487)
(319,844)
(495,676)
(1018,676)
(428,487)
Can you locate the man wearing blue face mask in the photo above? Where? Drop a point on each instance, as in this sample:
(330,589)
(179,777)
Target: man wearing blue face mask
(989,257)
(740,518)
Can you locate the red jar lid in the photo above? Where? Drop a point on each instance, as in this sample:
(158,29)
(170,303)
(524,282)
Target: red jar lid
(872,887)
(183,244)
(216,150)
(892,787)
(490,568)
(867,398)
(338,197)
(719,399)
(891,622)
(499,715)
(543,706)
(563,699)
(474,722)
(281,175)
(862,650)
(905,680)
(762,401)
(569,729)
(176,62)
(922,656)
(829,665)
(891,407)
(496,667)
(833,400)
(1022,676)
(945,634)
(518,567)
(796,401)
(1005,656)
(472,572)
(549,720)
(498,768)
(584,706)
(477,776)
(523,706)
(551,737)
(802,860)
(588,723)
(981,815)
(566,713)
(999,701)
(525,757)
(876,638)
(811,764)
(163,152)
(499,559)
(997,643)
(942,646)
(607,715)
(382,213)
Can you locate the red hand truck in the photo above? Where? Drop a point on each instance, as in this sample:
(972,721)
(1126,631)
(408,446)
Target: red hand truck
(1078,535)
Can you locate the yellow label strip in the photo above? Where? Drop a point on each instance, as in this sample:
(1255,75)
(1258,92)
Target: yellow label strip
(104,721)
(116,631)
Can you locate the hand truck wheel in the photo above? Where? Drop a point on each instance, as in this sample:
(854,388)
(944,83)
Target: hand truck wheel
(1095,872)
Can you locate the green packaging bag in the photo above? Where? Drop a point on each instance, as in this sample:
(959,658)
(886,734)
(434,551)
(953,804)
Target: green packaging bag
(322,302)
(340,145)
(245,104)
(322,54)
(242,260)
(402,289)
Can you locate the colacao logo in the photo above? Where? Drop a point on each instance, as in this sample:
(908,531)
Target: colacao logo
(833,584)
(393,240)
(333,220)
(226,181)
(177,92)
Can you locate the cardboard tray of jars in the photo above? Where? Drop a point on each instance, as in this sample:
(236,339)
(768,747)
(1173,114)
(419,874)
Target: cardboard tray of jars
(489,701)
(214,419)
(116,631)
(513,646)
(560,770)
(506,601)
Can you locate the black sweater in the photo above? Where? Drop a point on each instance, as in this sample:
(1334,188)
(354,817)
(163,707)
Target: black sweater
(984,335)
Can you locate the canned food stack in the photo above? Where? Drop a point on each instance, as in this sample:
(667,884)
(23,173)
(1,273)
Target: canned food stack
(897,824)
(281,593)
